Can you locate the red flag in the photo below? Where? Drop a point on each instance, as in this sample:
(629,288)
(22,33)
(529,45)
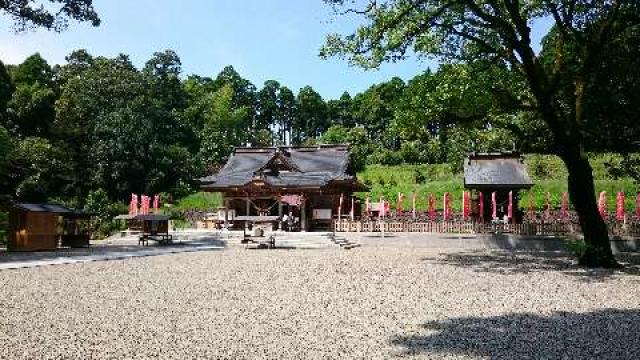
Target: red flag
(399,205)
(547,205)
(445,206)
(432,206)
(494,206)
(466,206)
(564,211)
(602,204)
(620,206)
(510,207)
(156,203)
(133,205)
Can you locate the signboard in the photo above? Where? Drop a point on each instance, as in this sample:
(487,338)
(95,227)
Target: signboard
(322,214)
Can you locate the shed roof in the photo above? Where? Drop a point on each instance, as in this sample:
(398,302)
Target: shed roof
(496,170)
(308,166)
(43,208)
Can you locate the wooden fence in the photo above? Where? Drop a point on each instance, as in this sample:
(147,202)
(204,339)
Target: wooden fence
(469,227)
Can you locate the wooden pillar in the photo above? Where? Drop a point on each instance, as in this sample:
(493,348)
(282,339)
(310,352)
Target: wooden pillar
(303,214)
(280,215)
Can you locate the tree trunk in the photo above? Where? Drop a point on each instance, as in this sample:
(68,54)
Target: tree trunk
(582,192)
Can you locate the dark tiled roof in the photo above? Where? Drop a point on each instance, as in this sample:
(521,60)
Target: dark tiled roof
(313,166)
(48,208)
(496,170)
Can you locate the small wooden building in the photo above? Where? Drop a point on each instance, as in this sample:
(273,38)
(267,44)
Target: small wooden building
(300,184)
(499,172)
(35,227)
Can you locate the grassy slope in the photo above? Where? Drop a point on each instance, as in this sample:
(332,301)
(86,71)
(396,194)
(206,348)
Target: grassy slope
(548,173)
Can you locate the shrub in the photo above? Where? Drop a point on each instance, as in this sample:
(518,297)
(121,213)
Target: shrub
(577,247)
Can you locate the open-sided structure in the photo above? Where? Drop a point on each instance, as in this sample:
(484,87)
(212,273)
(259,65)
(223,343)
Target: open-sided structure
(499,172)
(303,183)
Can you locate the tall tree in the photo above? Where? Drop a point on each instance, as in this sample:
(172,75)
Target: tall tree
(267,97)
(500,30)
(286,114)
(311,115)
(55,16)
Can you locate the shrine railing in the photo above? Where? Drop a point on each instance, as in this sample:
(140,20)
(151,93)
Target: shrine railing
(459,226)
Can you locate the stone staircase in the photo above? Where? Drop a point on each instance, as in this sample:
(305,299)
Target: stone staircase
(310,240)
(342,241)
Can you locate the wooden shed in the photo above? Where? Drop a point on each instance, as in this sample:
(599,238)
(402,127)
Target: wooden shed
(35,227)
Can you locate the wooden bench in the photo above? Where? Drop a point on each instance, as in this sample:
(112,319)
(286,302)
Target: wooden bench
(261,241)
(161,239)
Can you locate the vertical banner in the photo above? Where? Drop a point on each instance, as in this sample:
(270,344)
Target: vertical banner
(381,208)
(399,205)
(340,206)
(133,205)
(602,204)
(531,205)
(494,206)
(547,206)
(367,206)
(620,206)
(564,211)
(445,206)
(510,208)
(432,206)
(156,203)
(466,205)
(481,205)
(413,204)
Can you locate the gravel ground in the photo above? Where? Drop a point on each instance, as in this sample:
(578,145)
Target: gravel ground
(367,303)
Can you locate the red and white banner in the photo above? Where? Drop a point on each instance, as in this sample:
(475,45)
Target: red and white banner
(432,206)
(602,204)
(133,205)
(510,207)
(564,210)
(292,200)
(446,206)
(620,206)
(466,204)
(494,206)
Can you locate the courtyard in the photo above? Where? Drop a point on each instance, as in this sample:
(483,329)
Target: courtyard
(379,301)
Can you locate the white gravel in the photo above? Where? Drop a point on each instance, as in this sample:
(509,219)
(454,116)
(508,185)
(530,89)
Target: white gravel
(367,303)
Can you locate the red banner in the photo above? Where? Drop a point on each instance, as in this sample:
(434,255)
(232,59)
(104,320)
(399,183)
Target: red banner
(620,206)
(564,211)
(602,204)
(432,206)
(510,207)
(466,205)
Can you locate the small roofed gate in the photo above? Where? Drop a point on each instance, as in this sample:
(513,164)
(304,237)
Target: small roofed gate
(303,183)
(494,178)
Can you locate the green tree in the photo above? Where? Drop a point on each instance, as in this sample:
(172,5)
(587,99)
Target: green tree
(501,30)
(286,114)
(311,115)
(224,129)
(267,105)
(55,16)
(6,91)
(340,112)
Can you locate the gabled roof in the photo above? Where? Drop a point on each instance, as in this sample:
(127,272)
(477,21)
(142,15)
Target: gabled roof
(306,166)
(496,170)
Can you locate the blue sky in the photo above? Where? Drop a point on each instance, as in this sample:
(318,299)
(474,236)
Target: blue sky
(262,39)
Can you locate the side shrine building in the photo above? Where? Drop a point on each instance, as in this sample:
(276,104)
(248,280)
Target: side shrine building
(499,173)
(301,186)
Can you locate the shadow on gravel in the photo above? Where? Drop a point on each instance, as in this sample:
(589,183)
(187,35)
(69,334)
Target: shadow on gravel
(107,250)
(604,334)
(523,262)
